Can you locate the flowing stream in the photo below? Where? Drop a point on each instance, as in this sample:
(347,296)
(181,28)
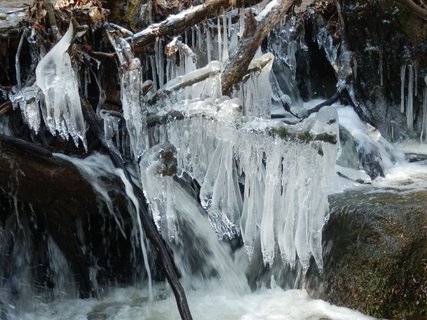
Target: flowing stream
(230,189)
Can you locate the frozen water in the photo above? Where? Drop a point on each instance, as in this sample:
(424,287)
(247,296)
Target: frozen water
(402,88)
(178,215)
(410,102)
(424,122)
(29,100)
(285,181)
(134,112)
(256,91)
(61,110)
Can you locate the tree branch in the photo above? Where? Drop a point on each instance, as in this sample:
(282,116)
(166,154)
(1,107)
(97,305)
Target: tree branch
(176,24)
(240,59)
(418,10)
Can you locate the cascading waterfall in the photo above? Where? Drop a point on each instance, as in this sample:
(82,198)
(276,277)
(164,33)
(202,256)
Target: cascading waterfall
(217,172)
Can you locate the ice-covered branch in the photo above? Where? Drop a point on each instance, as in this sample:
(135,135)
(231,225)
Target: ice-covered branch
(175,24)
(240,59)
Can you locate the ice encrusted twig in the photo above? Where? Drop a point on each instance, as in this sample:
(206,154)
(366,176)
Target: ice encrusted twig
(176,24)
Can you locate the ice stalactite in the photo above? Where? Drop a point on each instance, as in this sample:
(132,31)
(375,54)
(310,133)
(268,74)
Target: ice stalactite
(55,76)
(256,91)
(157,167)
(177,213)
(408,81)
(402,88)
(29,100)
(410,101)
(134,111)
(285,181)
(423,136)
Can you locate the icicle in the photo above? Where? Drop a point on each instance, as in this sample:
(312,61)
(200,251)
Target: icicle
(402,88)
(219,40)
(410,101)
(208,43)
(29,100)
(415,81)
(286,182)
(241,22)
(158,51)
(57,80)
(17,63)
(257,89)
(423,136)
(225,35)
(381,66)
(199,38)
(272,194)
(154,72)
(133,111)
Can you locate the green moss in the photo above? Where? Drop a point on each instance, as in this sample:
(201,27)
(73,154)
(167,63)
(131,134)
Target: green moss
(326,137)
(304,136)
(282,132)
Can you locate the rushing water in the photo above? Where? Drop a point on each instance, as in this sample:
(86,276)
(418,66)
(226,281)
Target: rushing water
(262,182)
(207,304)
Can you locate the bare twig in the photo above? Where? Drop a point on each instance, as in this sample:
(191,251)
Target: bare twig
(5,107)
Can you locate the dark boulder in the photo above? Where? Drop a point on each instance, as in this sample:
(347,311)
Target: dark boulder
(375,253)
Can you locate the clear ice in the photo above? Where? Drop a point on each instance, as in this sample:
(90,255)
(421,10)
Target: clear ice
(61,108)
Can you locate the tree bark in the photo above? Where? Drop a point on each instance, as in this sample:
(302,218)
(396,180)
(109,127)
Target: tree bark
(240,59)
(176,24)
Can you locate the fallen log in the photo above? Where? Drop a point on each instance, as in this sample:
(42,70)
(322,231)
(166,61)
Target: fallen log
(176,24)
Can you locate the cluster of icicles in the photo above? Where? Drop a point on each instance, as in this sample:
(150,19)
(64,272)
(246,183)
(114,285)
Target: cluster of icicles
(408,90)
(222,142)
(55,95)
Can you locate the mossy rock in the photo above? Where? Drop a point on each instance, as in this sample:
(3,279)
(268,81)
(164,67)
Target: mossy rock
(375,253)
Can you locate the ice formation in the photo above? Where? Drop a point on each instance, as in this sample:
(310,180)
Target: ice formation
(133,111)
(55,76)
(178,214)
(423,136)
(256,91)
(407,96)
(29,100)
(259,179)
(285,181)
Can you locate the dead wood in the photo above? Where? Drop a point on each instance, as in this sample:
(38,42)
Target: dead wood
(238,63)
(176,24)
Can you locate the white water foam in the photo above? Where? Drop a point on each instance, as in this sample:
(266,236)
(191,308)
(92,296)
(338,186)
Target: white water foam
(214,303)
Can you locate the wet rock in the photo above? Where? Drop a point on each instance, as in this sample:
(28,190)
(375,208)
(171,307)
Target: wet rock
(375,253)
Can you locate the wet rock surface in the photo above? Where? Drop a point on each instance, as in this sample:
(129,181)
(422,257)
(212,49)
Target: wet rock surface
(375,253)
